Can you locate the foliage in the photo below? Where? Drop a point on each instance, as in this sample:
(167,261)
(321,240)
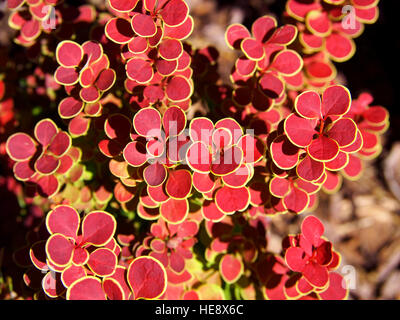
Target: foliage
(139,197)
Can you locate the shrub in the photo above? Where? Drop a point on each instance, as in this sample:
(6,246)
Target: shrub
(139,196)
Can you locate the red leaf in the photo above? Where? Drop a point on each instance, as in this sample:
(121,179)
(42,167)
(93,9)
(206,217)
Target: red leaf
(164,68)
(340,47)
(311,41)
(299,9)
(147,122)
(140,70)
(23,171)
(102,262)
(147,278)
(376,115)
(135,154)
(252,147)
(123,5)
(69,107)
(199,157)
(295,259)
(287,62)
(244,66)
(336,100)
(203,182)
(320,70)
(174,210)
(231,268)
(354,167)
(59,250)
(20,146)
(338,163)
(323,149)
(370,140)
(63,219)
(143,25)
(235,34)
(89,94)
(71,274)
(138,45)
(238,178)
(157,194)
(324,253)
(155,174)
(86,288)
(179,184)
(115,286)
(66,76)
(98,227)
(343,131)
(300,131)
(227,161)
(119,30)
(229,200)
(69,53)
(336,289)
(181,31)
(318,23)
(176,262)
(48,186)
(271,85)
(252,49)
(279,187)
(308,105)
(174,12)
(188,228)
(284,154)
(174,121)
(155,40)
(78,126)
(296,200)
(201,129)
(105,79)
(178,89)
(60,144)
(45,131)
(80,257)
(113,289)
(93,50)
(315,274)
(284,35)
(170,49)
(262,28)
(211,212)
(309,169)
(312,229)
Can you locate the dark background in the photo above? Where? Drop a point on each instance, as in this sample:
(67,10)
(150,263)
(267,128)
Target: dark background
(375,65)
